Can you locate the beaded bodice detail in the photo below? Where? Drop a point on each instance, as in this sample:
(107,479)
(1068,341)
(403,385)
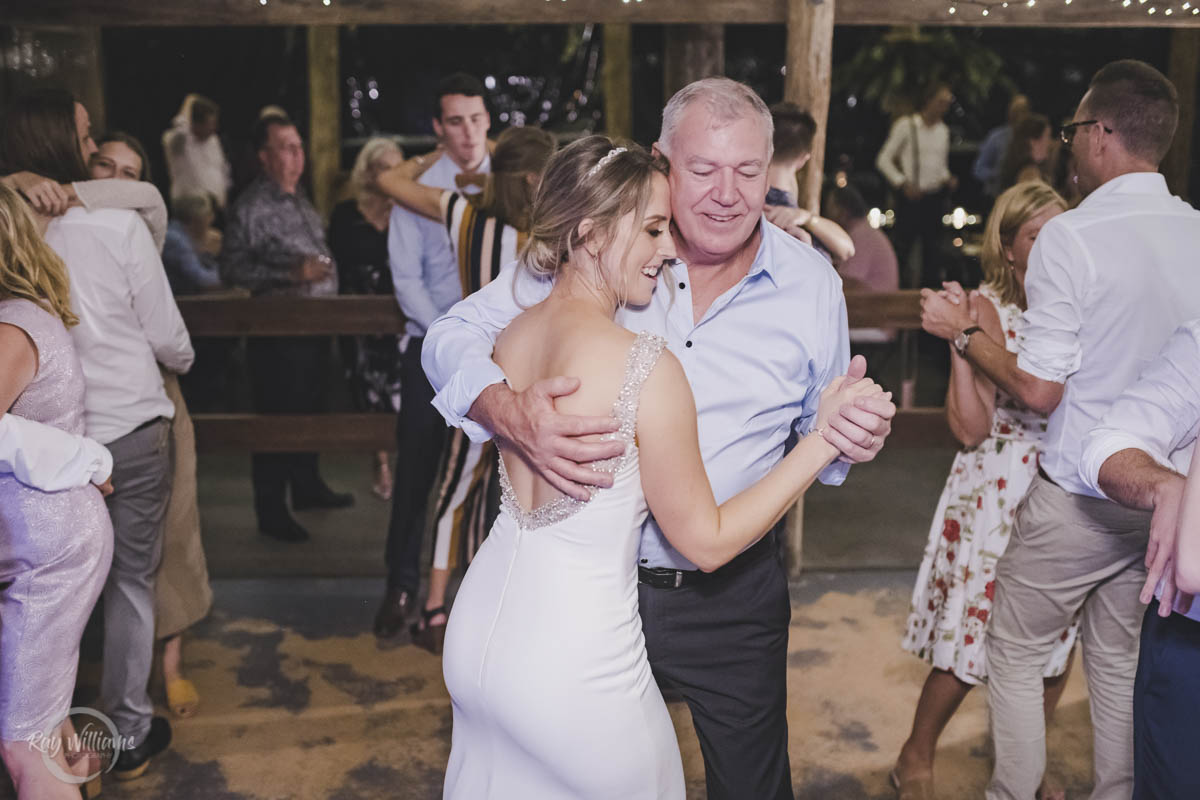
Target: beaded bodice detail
(644,354)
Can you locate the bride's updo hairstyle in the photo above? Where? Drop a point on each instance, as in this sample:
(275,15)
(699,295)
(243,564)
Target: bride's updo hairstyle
(592,178)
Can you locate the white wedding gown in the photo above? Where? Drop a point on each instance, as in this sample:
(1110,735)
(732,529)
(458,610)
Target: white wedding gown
(545,659)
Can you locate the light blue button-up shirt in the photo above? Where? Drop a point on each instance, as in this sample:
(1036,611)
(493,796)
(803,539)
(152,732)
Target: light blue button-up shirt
(424,269)
(756,361)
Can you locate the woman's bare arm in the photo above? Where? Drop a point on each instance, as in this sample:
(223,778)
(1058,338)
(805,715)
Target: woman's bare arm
(971,397)
(400,184)
(676,484)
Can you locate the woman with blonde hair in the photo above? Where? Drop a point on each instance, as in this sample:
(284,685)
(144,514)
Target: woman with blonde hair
(953,596)
(55,547)
(358,234)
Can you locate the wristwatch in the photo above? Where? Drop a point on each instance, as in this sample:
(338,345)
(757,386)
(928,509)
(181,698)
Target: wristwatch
(964,338)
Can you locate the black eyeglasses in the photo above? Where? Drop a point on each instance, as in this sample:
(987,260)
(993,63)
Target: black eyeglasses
(1067,132)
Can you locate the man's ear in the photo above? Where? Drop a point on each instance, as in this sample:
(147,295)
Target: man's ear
(656,150)
(800,164)
(438,130)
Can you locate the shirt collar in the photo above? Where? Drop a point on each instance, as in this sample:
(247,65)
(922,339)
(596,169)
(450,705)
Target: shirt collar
(764,259)
(1130,183)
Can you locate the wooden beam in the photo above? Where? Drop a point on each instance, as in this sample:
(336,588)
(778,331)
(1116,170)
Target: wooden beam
(809,64)
(1081,13)
(618,79)
(294,433)
(378,314)
(692,52)
(324,114)
(291,316)
(1183,65)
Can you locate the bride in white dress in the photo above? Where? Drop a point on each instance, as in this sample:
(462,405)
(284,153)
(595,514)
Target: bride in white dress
(544,658)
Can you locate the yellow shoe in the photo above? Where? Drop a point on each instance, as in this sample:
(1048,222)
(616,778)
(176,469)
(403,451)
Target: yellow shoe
(182,697)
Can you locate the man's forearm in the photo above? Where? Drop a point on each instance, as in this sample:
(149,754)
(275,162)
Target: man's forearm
(1000,367)
(1134,479)
(488,408)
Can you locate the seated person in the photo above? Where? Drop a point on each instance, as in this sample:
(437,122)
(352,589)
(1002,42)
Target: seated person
(192,247)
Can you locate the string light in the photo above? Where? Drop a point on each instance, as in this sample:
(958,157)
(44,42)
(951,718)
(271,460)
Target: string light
(960,8)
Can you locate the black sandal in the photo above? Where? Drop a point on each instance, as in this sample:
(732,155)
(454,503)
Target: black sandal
(427,635)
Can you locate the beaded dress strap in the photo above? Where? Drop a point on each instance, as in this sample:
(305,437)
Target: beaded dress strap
(644,354)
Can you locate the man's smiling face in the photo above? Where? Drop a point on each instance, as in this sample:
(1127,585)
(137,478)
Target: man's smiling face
(718,180)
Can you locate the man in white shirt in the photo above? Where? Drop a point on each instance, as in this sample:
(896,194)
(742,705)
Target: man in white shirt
(1138,456)
(196,162)
(915,160)
(426,280)
(720,638)
(1108,283)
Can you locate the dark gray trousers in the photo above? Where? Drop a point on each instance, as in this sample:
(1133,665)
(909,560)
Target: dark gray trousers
(723,646)
(142,471)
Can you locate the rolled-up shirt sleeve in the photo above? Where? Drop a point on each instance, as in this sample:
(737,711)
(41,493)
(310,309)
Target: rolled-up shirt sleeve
(457,354)
(1058,269)
(1158,414)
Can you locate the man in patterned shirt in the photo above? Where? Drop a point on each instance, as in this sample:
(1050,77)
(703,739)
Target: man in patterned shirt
(275,245)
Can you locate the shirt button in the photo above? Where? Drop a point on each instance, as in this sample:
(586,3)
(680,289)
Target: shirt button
(645,561)
(688,343)
(682,285)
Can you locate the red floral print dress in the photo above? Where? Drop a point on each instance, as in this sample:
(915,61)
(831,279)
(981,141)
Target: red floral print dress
(952,599)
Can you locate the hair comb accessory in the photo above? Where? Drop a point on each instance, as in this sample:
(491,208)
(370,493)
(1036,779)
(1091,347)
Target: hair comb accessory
(616,151)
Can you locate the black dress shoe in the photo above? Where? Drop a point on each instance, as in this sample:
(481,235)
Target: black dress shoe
(320,497)
(392,613)
(283,528)
(133,763)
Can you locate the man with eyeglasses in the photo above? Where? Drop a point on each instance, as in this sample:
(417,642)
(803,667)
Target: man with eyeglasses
(1108,283)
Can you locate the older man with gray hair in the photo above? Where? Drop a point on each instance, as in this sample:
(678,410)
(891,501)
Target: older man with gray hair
(758,321)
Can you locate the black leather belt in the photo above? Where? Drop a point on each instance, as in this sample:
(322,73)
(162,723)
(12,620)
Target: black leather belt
(148,423)
(663,578)
(1042,474)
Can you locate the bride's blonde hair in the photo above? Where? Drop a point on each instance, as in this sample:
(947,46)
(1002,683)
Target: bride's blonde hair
(29,268)
(577,186)
(1016,206)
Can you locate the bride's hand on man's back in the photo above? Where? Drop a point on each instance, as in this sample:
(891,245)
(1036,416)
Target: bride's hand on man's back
(551,442)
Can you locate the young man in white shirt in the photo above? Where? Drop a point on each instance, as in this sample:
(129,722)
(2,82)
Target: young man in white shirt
(1139,455)
(1108,283)
(915,160)
(426,281)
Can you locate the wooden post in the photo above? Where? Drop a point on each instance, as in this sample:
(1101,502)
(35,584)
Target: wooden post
(692,52)
(618,79)
(325,113)
(809,71)
(1182,68)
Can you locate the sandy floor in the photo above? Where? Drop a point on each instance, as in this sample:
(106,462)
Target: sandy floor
(300,701)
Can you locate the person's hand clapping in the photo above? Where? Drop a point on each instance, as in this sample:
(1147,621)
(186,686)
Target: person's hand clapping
(944,313)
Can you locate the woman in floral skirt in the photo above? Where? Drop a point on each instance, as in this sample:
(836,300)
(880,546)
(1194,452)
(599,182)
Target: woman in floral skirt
(1001,438)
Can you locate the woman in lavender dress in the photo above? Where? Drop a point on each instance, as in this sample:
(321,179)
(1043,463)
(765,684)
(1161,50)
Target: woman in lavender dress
(55,547)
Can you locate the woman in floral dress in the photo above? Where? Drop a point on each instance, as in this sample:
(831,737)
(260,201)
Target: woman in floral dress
(953,596)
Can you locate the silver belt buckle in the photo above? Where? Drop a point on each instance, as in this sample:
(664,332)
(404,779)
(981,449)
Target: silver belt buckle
(678,578)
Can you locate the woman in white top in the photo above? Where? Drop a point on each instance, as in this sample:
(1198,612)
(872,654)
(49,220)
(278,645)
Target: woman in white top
(545,659)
